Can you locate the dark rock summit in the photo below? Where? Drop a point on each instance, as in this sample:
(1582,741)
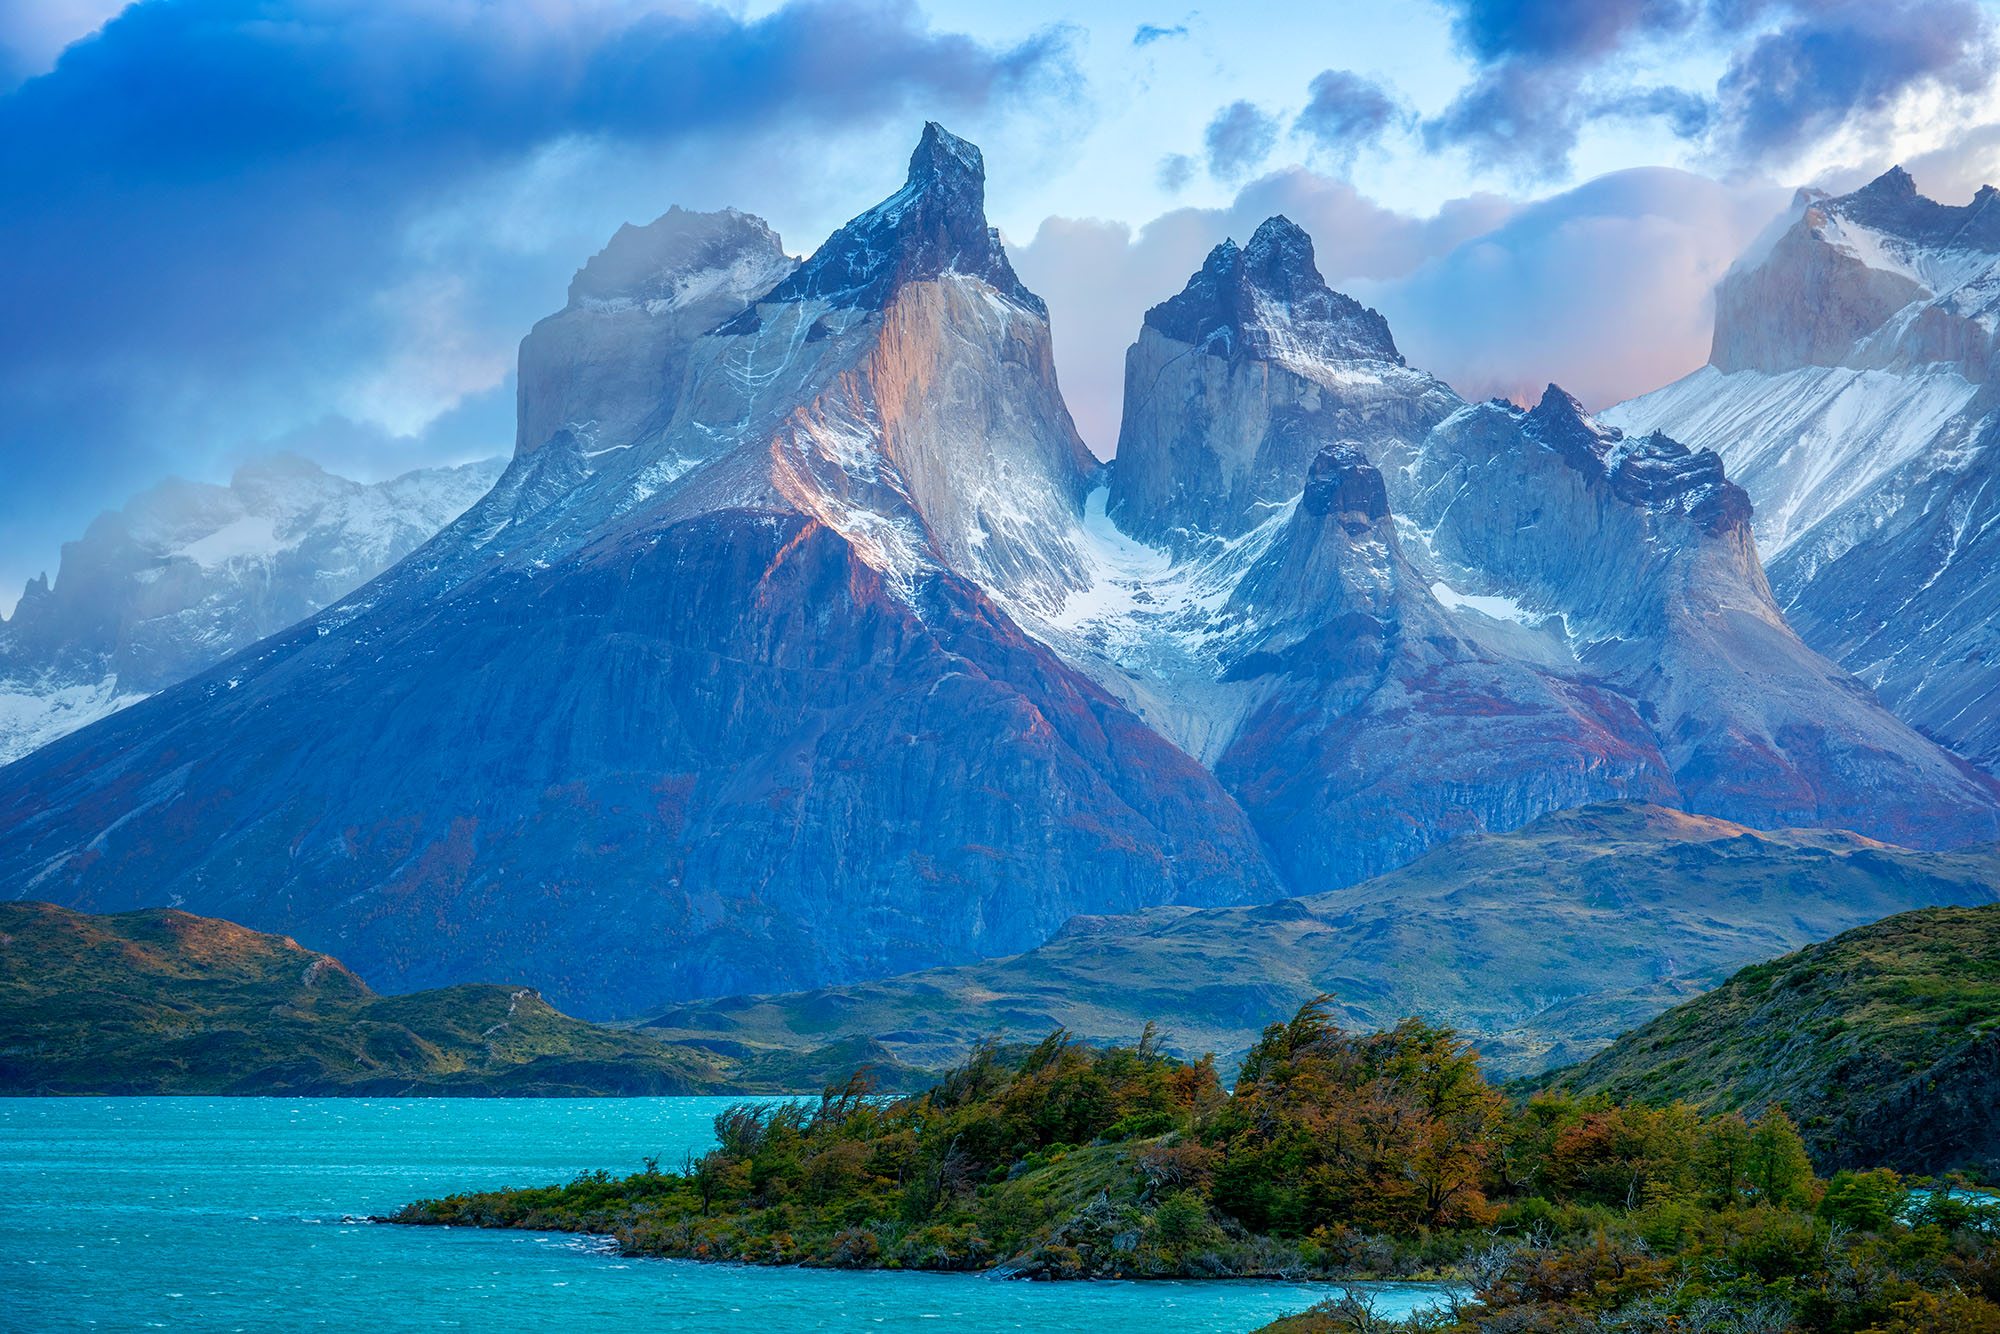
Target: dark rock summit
(1232,298)
(935,224)
(1235,383)
(1343,482)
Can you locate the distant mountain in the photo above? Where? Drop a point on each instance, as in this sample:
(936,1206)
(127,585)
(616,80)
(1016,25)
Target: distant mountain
(186,574)
(159,1001)
(710,700)
(1542,945)
(1850,392)
(1883,1044)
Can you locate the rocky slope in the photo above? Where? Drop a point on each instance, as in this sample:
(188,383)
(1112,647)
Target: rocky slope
(717,706)
(1543,945)
(608,366)
(1883,1044)
(1849,393)
(1638,552)
(163,1002)
(188,573)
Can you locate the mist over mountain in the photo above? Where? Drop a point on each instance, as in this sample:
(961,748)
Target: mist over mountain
(186,574)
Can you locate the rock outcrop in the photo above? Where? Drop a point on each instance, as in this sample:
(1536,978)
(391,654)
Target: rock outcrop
(609,365)
(1236,383)
(1643,548)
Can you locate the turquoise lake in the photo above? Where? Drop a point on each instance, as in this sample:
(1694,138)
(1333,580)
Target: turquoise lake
(236,1214)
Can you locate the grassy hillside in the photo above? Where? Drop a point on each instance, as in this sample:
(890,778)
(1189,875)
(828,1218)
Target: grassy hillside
(159,1001)
(1542,945)
(1883,1043)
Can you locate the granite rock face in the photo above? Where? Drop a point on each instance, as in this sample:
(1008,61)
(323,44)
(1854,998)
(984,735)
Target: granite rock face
(722,708)
(1643,549)
(1381,728)
(1849,393)
(188,573)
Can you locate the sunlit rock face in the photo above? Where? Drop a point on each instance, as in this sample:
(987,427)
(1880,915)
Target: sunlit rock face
(718,706)
(1849,394)
(188,573)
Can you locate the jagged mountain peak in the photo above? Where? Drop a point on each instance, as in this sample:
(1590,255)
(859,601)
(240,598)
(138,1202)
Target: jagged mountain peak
(943,159)
(1560,423)
(935,224)
(1268,301)
(1279,258)
(1655,471)
(1892,204)
(1894,183)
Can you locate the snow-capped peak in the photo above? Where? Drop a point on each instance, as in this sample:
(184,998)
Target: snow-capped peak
(1267,300)
(935,224)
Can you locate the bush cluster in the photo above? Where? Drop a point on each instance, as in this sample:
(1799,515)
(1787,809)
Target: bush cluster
(1335,1155)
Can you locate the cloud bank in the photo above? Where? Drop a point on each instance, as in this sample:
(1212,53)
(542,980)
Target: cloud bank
(1797,71)
(236,218)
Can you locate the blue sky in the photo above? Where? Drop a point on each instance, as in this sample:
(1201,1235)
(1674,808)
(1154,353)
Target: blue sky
(235,226)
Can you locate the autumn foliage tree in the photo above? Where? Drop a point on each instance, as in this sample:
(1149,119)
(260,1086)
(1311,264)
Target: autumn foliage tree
(1326,1127)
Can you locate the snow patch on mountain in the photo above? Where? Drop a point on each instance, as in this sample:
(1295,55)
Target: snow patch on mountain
(1809,443)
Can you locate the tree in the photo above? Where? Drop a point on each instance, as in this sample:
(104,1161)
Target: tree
(1719,1162)
(1776,1162)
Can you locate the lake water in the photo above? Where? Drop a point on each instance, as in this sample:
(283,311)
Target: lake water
(231,1214)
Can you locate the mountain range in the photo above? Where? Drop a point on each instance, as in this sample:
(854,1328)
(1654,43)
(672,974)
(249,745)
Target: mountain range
(802,640)
(187,573)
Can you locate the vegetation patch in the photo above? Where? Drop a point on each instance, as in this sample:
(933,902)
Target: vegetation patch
(1337,1155)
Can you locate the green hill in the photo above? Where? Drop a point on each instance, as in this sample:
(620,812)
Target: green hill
(1543,945)
(159,1001)
(1883,1044)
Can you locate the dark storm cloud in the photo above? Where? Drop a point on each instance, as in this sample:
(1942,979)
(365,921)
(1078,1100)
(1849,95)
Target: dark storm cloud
(1238,140)
(197,142)
(1814,72)
(212,209)
(1802,69)
(1516,114)
(1545,30)
(1346,112)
